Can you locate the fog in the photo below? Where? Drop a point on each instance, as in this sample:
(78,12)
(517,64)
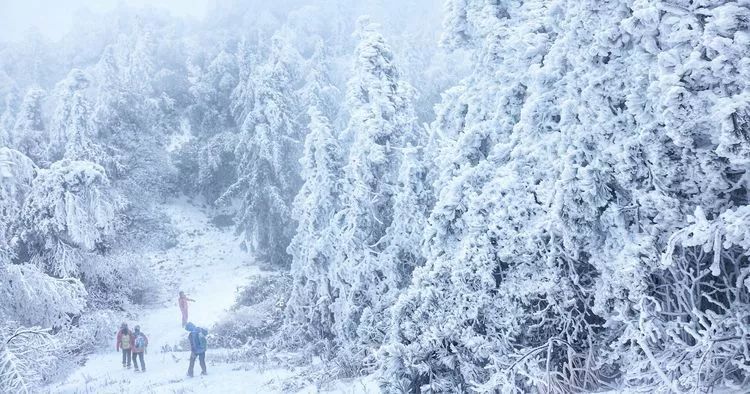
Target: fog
(53,18)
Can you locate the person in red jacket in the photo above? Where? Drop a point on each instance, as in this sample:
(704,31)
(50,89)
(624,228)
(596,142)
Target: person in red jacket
(183,302)
(140,343)
(125,343)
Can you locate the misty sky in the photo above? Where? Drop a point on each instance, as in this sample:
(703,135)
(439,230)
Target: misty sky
(53,18)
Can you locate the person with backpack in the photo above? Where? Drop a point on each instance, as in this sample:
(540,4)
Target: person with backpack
(198,345)
(183,303)
(125,342)
(140,343)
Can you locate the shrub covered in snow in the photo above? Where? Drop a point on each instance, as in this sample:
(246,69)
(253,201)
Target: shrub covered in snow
(27,356)
(256,316)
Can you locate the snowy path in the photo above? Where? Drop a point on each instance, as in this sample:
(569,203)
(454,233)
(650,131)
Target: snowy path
(209,266)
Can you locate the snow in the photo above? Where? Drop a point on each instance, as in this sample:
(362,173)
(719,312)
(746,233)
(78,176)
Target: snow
(177,140)
(574,215)
(209,266)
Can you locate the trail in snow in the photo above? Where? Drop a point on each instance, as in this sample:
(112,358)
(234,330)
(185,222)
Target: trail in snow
(209,266)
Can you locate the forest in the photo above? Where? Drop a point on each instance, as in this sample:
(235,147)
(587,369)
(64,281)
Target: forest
(443,196)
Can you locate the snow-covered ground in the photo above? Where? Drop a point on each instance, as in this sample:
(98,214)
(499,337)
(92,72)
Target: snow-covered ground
(209,266)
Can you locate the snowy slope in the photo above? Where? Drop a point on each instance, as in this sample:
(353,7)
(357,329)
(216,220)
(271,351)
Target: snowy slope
(209,266)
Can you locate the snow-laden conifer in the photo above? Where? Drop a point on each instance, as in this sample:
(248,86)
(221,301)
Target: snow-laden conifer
(268,148)
(69,211)
(309,316)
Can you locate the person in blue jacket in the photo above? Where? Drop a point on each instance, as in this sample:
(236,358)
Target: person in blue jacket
(198,345)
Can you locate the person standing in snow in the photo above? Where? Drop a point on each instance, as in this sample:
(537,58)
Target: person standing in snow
(183,302)
(140,343)
(198,345)
(124,343)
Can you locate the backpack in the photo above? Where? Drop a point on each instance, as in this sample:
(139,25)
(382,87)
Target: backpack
(200,339)
(140,342)
(125,341)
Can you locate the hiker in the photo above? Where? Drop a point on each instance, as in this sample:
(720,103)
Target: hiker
(125,342)
(183,302)
(140,343)
(198,345)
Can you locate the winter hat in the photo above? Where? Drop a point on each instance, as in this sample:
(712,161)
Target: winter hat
(137,328)
(190,326)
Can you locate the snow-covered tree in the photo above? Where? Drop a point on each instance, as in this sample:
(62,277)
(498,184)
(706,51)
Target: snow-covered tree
(381,123)
(566,163)
(267,154)
(29,134)
(8,117)
(34,298)
(127,121)
(216,165)
(318,89)
(16,174)
(69,211)
(212,92)
(412,202)
(309,316)
(25,357)
(72,130)
(242,98)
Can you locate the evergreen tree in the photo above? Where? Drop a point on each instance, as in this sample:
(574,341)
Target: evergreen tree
(318,89)
(72,129)
(562,174)
(69,212)
(128,122)
(16,174)
(308,311)
(210,114)
(8,117)
(267,152)
(29,134)
(381,122)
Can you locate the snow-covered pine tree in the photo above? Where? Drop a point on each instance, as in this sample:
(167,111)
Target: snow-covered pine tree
(267,155)
(566,163)
(412,202)
(693,133)
(141,62)
(127,120)
(72,130)
(212,91)
(242,98)
(308,314)
(16,174)
(318,89)
(30,297)
(496,285)
(8,116)
(29,135)
(69,211)
(213,127)
(382,122)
